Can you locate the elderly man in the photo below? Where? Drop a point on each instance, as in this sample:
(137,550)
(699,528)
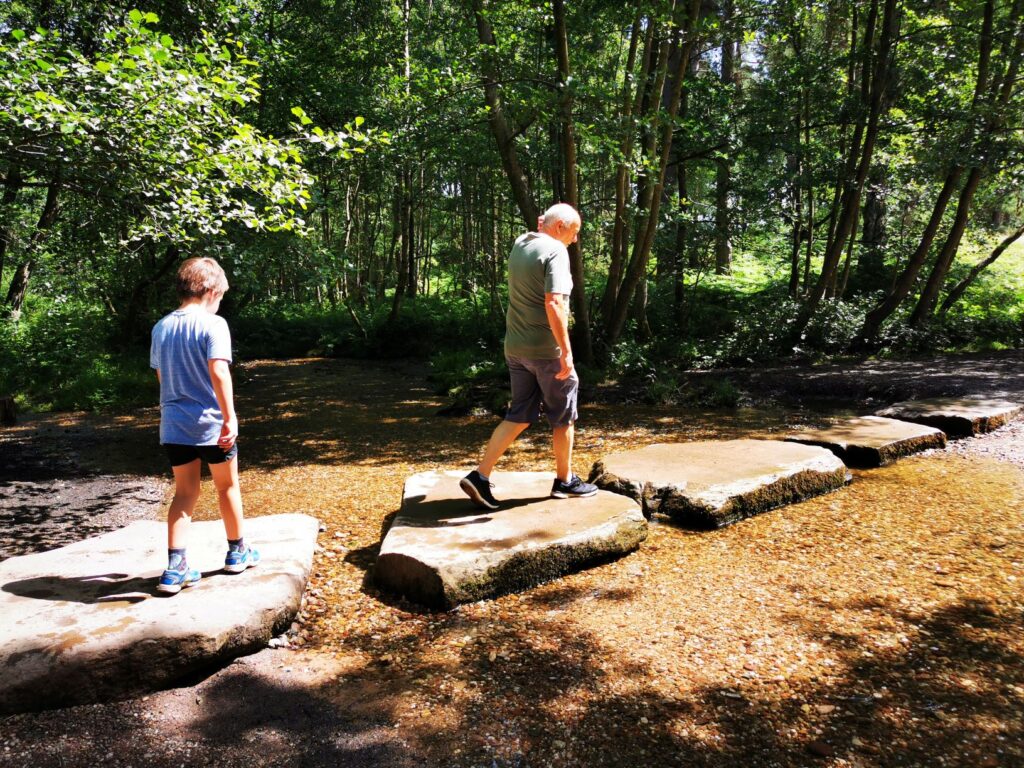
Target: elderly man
(538,354)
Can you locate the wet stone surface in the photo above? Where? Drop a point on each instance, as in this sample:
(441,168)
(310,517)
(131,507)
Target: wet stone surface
(84,623)
(442,550)
(956,416)
(709,484)
(872,441)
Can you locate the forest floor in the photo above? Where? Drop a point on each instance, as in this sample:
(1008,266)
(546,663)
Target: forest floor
(882,625)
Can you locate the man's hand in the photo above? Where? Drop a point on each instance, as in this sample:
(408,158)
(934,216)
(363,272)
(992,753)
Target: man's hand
(228,435)
(567,366)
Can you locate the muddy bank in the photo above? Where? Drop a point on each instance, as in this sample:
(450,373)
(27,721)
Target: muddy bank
(64,478)
(870,381)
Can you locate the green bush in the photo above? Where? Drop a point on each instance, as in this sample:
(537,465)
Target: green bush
(61,356)
(423,327)
(471,378)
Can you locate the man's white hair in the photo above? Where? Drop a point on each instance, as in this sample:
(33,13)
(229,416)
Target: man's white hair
(561,212)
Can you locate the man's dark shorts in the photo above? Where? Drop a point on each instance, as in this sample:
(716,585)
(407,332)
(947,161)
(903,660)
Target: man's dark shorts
(211,454)
(534,383)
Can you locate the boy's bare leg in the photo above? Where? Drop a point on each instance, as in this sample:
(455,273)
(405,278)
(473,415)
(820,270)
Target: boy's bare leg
(186,493)
(503,436)
(562,440)
(229,496)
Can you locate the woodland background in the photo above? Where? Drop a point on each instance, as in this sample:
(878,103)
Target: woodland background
(759,180)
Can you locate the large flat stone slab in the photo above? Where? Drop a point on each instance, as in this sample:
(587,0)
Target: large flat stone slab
(956,416)
(709,484)
(872,441)
(441,550)
(84,623)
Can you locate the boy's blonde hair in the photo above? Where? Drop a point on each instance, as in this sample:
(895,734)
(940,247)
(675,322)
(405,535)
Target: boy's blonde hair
(199,276)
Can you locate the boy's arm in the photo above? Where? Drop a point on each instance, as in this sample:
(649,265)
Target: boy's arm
(220,377)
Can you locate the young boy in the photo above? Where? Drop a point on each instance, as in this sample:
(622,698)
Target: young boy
(191,352)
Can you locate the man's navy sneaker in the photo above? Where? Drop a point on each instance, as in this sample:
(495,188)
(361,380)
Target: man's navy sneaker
(237,560)
(574,489)
(172,581)
(479,490)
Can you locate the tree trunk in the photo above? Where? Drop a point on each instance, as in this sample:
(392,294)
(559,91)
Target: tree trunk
(870,273)
(839,289)
(930,293)
(581,342)
(794,255)
(907,278)
(12,183)
(960,288)
(404,248)
(630,108)
(140,289)
(19,282)
(723,171)
(1002,90)
(905,282)
(644,240)
(503,136)
(862,147)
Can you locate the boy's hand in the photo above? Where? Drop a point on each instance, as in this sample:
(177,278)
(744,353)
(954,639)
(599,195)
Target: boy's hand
(228,435)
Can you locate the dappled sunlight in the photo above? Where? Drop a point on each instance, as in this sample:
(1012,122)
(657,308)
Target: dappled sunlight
(879,625)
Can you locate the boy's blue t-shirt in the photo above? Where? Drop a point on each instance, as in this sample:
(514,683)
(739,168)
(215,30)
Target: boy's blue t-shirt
(182,344)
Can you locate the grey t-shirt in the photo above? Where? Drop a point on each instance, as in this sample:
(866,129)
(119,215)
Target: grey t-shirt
(538,264)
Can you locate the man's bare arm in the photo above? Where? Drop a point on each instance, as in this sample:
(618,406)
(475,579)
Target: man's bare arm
(556,305)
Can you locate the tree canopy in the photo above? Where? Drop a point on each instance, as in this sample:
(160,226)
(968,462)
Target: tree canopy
(757,179)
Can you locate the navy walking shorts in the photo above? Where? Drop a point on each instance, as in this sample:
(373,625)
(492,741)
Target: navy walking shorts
(534,384)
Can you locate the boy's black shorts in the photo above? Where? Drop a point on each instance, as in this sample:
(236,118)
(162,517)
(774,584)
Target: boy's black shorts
(211,454)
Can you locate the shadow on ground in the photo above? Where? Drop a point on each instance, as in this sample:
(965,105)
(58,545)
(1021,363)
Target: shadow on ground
(954,679)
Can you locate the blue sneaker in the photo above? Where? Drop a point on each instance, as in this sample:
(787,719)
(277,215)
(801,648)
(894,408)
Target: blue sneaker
(237,561)
(173,580)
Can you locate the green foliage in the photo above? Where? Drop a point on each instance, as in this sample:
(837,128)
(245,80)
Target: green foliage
(184,135)
(292,331)
(471,377)
(423,327)
(154,125)
(719,393)
(428,325)
(59,358)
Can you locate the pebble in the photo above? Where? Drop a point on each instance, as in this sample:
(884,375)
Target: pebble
(820,749)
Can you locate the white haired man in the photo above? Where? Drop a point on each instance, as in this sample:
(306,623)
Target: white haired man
(538,354)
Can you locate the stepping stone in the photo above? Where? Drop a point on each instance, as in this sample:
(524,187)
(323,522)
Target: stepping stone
(84,623)
(873,441)
(441,550)
(956,416)
(713,483)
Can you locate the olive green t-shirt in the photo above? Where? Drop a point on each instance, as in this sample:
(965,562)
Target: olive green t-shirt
(538,264)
